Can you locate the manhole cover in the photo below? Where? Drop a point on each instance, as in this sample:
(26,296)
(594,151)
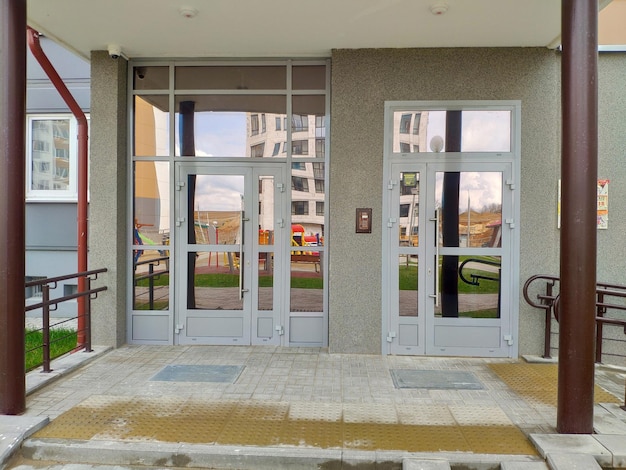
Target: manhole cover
(435,379)
(198,373)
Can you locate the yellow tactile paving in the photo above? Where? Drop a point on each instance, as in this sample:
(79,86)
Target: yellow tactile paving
(539,382)
(317,425)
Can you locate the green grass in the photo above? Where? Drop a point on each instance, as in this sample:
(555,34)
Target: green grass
(61,341)
(232,280)
(408,281)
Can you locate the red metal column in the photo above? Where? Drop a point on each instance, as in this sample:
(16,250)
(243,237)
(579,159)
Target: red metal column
(83,171)
(579,174)
(12,209)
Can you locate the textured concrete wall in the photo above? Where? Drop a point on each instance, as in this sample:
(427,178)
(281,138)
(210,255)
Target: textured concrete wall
(362,80)
(108,195)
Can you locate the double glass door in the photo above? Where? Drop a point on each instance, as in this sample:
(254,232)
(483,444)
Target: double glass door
(449,259)
(228,227)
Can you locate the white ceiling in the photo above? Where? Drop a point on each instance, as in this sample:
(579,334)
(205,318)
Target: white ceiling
(291,28)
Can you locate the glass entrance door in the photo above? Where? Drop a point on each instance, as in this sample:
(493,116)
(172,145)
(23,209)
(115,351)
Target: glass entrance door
(450,263)
(228,248)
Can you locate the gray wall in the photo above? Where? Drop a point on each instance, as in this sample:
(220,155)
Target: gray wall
(108,190)
(362,80)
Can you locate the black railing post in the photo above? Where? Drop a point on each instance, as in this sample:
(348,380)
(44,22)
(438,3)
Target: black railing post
(151,286)
(88,315)
(45,327)
(599,325)
(547,343)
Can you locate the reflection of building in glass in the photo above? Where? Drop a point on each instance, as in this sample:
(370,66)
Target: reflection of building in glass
(267,138)
(51,154)
(409,208)
(411,132)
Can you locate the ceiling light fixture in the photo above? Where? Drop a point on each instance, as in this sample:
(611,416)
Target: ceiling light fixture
(187,12)
(439,8)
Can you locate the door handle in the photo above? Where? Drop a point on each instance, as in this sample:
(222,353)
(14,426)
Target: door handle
(436,295)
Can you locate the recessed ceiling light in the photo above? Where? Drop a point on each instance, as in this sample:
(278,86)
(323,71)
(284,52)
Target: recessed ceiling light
(187,12)
(439,8)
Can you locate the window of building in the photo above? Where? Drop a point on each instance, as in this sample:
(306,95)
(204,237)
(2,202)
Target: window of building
(298,166)
(404,210)
(299,184)
(276,149)
(254,124)
(320,148)
(416,123)
(318,170)
(405,147)
(319,186)
(405,123)
(278,123)
(300,147)
(52,147)
(263,125)
(300,208)
(319,208)
(256,151)
(299,122)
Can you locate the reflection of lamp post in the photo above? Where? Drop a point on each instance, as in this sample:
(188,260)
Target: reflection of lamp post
(217,255)
(414,192)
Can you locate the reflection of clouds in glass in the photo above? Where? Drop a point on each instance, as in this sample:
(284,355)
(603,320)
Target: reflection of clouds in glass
(482,131)
(219,192)
(220,134)
(486,131)
(483,189)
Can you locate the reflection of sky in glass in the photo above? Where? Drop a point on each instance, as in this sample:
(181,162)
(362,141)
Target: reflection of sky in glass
(218,134)
(219,192)
(482,131)
(481,189)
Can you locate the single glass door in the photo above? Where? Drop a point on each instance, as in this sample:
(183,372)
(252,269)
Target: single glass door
(227,249)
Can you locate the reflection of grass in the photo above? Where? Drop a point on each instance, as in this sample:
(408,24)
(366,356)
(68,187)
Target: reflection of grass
(157,305)
(232,280)
(486,313)
(61,341)
(408,280)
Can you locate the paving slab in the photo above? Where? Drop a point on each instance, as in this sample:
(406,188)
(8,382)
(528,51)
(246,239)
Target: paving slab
(410,464)
(607,422)
(13,430)
(616,444)
(557,461)
(578,445)
(523,466)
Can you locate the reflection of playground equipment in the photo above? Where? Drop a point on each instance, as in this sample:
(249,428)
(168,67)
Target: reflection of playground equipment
(298,238)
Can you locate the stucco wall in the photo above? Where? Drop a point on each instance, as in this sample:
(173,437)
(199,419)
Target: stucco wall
(108,195)
(362,80)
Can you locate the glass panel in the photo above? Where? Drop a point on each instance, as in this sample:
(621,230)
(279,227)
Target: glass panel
(151,203)
(229,125)
(308,126)
(266,210)
(151,286)
(217,201)
(469,287)
(407,276)
(307,281)
(50,154)
(152,136)
(425,131)
(235,77)
(470,208)
(151,78)
(214,287)
(308,77)
(409,209)
(266,281)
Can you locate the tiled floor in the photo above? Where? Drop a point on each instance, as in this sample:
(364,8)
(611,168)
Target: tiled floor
(298,397)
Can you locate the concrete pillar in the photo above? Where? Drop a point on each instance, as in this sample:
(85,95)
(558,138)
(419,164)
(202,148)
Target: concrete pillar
(108,206)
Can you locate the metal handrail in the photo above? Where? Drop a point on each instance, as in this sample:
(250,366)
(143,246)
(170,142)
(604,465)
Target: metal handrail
(475,281)
(550,304)
(47,304)
(152,275)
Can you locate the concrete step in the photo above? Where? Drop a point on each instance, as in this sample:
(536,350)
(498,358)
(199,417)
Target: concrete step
(523,466)
(572,462)
(413,464)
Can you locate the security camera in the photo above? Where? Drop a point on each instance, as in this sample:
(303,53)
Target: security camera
(115,51)
(141,72)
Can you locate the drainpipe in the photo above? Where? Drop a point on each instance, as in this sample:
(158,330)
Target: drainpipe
(38,53)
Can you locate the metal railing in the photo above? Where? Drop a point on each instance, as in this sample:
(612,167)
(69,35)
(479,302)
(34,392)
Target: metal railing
(152,275)
(47,305)
(548,301)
